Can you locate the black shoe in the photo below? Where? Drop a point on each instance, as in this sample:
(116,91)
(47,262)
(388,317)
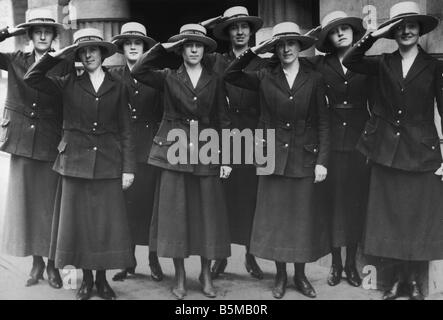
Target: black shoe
(415,292)
(279,289)
(85,291)
(120,276)
(156,270)
(36,274)
(352,276)
(252,267)
(54,279)
(218,268)
(305,287)
(335,275)
(394,292)
(104,291)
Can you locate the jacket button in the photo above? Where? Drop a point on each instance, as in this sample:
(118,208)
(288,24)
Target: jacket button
(346,83)
(32,127)
(397,122)
(344,124)
(160,143)
(134,117)
(400,111)
(136,92)
(94,129)
(147,125)
(288,125)
(33,114)
(345,102)
(398,134)
(286,145)
(95,148)
(195,98)
(34,105)
(433,147)
(134,110)
(96,99)
(95,124)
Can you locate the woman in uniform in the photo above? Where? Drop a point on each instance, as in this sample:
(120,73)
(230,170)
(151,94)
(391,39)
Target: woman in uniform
(30,131)
(287,227)
(96,162)
(346,189)
(190,216)
(145,117)
(405,206)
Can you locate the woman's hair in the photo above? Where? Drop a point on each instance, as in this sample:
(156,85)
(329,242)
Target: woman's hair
(32,29)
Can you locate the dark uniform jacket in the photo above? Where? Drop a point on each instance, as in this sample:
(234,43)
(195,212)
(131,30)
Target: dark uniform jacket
(298,114)
(97,136)
(32,120)
(145,112)
(401,132)
(348,100)
(183,105)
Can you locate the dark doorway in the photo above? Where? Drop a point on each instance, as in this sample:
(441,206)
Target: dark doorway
(163,18)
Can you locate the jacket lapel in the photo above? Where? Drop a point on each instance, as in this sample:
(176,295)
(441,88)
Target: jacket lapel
(184,78)
(335,65)
(281,78)
(86,83)
(301,78)
(397,68)
(420,63)
(107,85)
(128,78)
(204,80)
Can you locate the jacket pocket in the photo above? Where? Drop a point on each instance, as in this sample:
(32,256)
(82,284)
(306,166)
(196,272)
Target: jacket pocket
(159,150)
(310,154)
(368,137)
(4,130)
(432,143)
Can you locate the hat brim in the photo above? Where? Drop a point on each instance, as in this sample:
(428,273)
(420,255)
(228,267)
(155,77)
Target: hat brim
(120,39)
(109,47)
(323,44)
(28,25)
(220,29)
(427,23)
(209,43)
(306,42)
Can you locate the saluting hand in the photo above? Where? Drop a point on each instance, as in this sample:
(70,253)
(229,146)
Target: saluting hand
(313,32)
(127,180)
(225,172)
(380,33)
(65,53)
(210,23)
(265,46)
(16,31)
(173,46)
(320,173)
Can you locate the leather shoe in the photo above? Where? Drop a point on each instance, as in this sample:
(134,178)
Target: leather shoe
(85,291)
(252,267)
(415,292)
(305,287)
(335,275)
(35,275)
(104,291)
(120,276)
(54,279)
(156,270)
(279,289)
(352,276)
(394,292)
(218,268)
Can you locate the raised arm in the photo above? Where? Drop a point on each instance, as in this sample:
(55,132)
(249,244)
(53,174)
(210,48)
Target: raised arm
(439,91)
(5,33)
(37,77)
(237,76)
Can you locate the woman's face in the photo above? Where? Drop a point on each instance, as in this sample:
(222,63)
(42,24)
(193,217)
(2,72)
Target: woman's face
(193,52)
(288,51)
(42,38)
(239,34)
(91,57)
(407,33)
(133,49)
(341,36)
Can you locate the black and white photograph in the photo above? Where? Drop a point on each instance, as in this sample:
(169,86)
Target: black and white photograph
(221,151)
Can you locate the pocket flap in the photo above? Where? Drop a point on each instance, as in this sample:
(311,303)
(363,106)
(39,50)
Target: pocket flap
(5,122)
(369,128)
(431,142)
(161,141)
(313,148)
(61,146)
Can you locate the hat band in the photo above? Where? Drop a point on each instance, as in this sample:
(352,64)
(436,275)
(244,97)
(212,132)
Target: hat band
(239,15)
(287,34)
(42,20)
(134,33)
(405,14)
(334,20)
(90,38)
(193,32)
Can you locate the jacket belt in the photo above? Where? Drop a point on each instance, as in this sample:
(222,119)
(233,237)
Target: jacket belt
(250,111)
(37,113)
(403,122)
(346,106)
(94,130)
(187,120)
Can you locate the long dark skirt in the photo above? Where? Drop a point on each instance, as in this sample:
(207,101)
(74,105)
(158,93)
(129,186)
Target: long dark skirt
(139,203)
(29,207)
(90,228)
(241,197)
(288,225)
(405,215)
(346,193)
(189,217)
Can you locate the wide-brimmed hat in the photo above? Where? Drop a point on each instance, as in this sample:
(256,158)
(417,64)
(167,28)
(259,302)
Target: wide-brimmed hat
(40,17)
(236,14)
(133,30)
(410,11)
(195,32)
(93,37)
(291,31)
(333,20)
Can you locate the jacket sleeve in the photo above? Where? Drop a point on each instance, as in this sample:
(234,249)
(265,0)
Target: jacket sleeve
(323,124)
(5,58)
(237,76)
(439,90)
(145,69)
(37,77)
(126,133)
(355,58)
